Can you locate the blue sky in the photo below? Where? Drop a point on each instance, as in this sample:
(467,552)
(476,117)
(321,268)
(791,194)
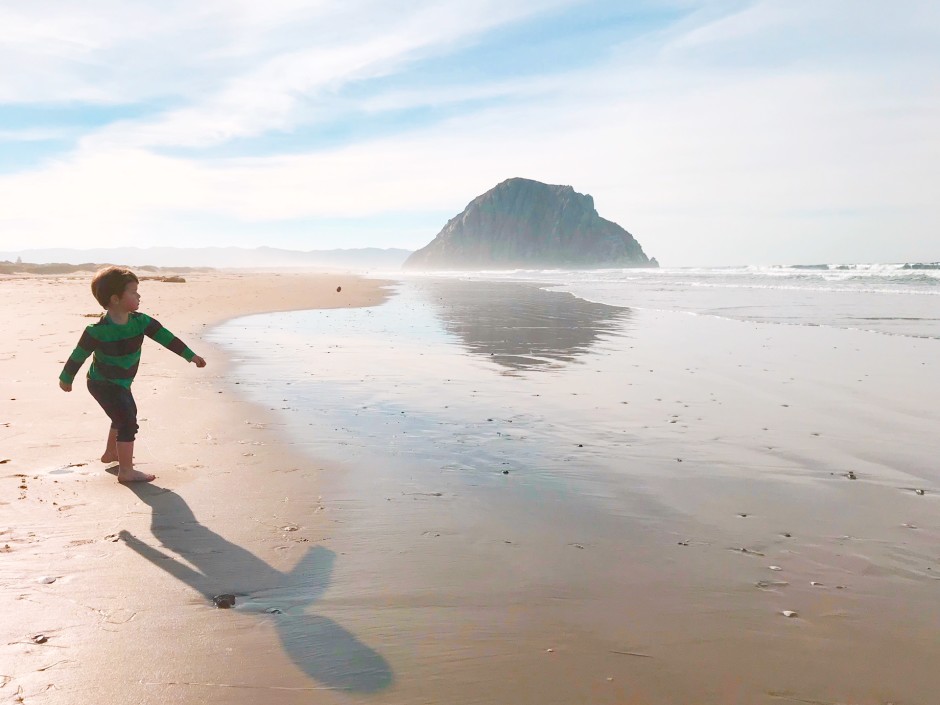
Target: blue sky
(717,132)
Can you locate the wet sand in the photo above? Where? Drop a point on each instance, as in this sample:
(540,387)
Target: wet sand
(660,467)
(606,567)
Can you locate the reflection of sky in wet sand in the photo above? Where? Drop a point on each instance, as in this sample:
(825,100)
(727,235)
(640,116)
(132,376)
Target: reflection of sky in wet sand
(467,377)
(520,326)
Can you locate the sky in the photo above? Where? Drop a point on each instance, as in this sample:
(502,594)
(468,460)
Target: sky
(718,132)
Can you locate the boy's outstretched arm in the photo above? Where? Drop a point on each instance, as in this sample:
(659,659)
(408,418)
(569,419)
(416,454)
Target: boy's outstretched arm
(156,331)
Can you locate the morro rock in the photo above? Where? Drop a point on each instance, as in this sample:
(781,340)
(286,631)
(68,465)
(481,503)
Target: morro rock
(522,223)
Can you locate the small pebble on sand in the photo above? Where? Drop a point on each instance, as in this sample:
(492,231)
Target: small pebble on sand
(789,613)
(224,601)
(763,584)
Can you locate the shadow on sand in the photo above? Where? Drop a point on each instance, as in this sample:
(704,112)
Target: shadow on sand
(318,646)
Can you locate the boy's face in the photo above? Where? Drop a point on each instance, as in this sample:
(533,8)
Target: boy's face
(129,300)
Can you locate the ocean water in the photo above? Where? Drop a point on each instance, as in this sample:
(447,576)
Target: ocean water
(882,298)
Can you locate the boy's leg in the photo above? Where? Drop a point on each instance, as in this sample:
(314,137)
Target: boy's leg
(118,403)
(126,472)
(110,450)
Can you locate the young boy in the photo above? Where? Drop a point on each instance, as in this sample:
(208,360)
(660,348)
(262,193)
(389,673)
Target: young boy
(115,341)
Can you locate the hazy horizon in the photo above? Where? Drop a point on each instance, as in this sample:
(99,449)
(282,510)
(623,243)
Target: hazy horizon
(715,131)
(56,255)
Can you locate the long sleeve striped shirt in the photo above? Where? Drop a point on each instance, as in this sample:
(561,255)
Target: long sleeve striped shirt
(116,348)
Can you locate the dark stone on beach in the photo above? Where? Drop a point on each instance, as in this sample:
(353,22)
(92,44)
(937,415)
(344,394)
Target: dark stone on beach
(224,601)
(505,472)
(526,223)
(921,492)
(339,289)
(851,475)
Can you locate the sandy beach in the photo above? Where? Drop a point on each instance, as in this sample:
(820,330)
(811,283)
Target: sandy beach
(768,533)
(117,628)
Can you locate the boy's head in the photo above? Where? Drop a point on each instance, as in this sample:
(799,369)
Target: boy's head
(111,281)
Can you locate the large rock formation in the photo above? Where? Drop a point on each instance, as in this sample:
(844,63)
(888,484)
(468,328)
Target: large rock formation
(524,224)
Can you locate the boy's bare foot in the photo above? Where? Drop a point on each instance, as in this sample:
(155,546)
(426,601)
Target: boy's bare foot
(109,457)
(135,476)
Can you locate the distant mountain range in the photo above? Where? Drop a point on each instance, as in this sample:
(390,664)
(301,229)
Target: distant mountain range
(367,258)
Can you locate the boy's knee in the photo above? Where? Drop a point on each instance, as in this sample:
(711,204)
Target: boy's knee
(127,432)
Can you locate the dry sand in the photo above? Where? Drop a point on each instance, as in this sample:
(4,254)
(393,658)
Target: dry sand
(117,628)
(436,597)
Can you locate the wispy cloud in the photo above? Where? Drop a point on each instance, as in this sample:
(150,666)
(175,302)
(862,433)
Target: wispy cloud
(711,130)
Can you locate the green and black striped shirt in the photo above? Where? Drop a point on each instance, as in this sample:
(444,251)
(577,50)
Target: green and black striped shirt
(116,348)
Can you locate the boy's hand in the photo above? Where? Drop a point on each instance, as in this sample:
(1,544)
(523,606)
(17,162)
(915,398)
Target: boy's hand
(64,386)
(199,361)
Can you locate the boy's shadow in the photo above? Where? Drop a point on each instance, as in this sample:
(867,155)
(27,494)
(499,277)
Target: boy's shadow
(317,645)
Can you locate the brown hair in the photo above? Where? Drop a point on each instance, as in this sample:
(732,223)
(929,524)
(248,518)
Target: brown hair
(111,281)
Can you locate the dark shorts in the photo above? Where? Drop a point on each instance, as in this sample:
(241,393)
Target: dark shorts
(118,403)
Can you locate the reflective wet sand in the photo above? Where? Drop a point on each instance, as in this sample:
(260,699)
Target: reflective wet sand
(545,500)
